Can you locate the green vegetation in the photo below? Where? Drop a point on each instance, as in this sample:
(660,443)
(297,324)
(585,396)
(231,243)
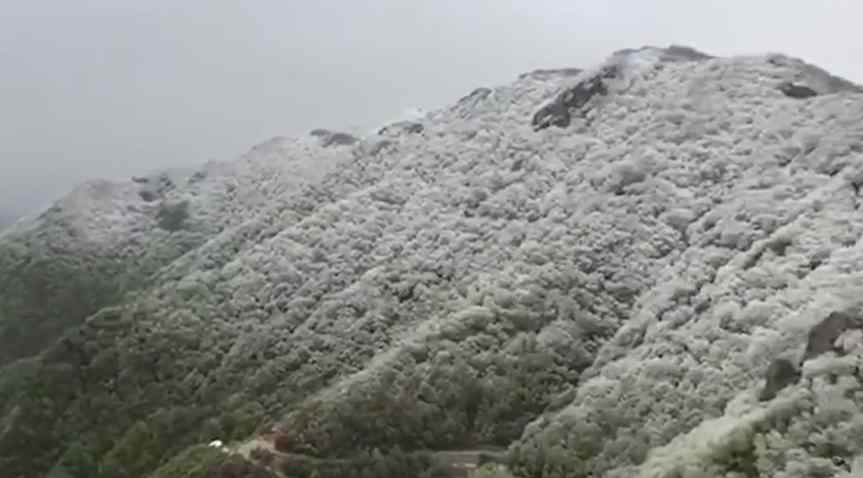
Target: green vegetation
(45,294)
(492,471)
(125,395)
(598,301)
(452,401)
(197,461)
(172,216)
(136,391)
(372,464)
(51,279)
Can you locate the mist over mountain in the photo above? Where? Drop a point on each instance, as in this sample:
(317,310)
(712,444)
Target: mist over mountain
(649,267)
(6,218)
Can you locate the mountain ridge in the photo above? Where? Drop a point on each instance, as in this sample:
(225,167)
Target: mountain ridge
(592,268)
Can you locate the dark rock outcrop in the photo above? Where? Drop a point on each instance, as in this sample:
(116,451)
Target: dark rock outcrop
(780,374)
(548,72)
(558,112)
(797,91)
(401,127)
(684,53)
(333,138)
(822,337)
(816,79)
(478,94)
(148,195)
(469,105)
(673,53)
(154,187)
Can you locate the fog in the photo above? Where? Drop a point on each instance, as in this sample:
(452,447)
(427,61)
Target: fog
(115,88)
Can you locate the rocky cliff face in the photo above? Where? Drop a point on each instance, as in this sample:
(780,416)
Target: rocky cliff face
(626,270)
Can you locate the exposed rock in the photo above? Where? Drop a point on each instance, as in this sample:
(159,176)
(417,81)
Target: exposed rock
(333,138)
(198,176)
(550,72)
(468,106)
(474,96)
(558,112)
(813,76)
(401,127)
(780,374)
(573,100)
(673,53)
(148,195)
(796,91)
(822,338)
(684,53)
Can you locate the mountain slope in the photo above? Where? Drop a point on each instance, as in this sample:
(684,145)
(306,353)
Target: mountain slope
(594,268)
(108,238)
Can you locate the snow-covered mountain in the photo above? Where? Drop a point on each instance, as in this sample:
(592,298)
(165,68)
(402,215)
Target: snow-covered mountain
(649,267)
(107,238)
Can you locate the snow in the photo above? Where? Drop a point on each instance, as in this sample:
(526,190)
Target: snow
(696,210)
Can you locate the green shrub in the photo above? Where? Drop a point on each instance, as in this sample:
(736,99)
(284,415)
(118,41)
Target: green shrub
(376,464)
(172,216)
(194,462)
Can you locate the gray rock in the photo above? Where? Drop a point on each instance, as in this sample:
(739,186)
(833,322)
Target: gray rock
(815,78)
(822,337)
(329,138)
(148,195)
(796,91)
(673,53)
(684,53)
(550,72)
(557,113)
(401,127)
(780,374)
(470,105)
(478,94)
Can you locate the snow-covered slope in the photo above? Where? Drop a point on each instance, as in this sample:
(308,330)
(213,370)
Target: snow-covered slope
(106,238)
(596,268)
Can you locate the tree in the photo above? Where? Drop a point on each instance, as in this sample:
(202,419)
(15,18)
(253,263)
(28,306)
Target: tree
(76,462)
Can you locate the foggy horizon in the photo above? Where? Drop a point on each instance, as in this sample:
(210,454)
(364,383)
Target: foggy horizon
(98,90)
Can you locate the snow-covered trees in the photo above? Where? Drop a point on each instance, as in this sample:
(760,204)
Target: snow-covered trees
(606,295)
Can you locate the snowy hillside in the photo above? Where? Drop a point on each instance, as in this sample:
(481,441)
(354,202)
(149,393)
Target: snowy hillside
(106,238)
(650,267)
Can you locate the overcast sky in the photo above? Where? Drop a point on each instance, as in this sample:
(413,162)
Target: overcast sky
(114,88)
